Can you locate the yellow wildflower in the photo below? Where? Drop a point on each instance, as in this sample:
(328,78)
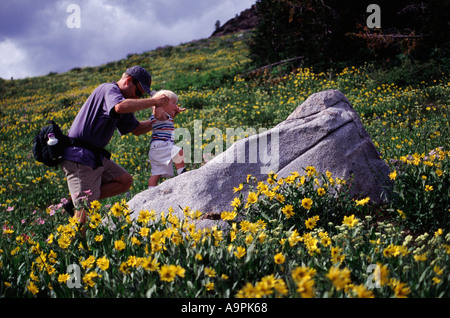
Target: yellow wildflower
(117,209)
(88,279)
(401,290)
(420,257)
(393,175)
(228,216)
(236,202)
(239,188)
(311,222)
(321,191)
(362,292)
(306,288)
(145,216)
(149,264)
(103,263)
(209,271)
(436,280)
(250,291)
(336,256)
(362,201)
(119,245)
(251,199)
(310,171)
(288,210)
(209,286)
(32,288)
(279,258)
(350,221)
(262,237)
(294,238)
(96,205)
(240,252)
(63,278)
(144,231)
(339,277)
(307,203)
(303,277)
(168,273)
(89,262)
(438,270)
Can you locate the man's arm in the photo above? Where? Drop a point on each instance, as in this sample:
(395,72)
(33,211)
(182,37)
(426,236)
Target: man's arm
(133,105)
(143,128)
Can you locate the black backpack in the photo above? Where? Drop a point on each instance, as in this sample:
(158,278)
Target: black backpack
(52,155)
(49,155)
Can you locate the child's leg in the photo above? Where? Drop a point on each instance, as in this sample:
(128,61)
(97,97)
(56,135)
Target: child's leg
(179,161)
(153,181)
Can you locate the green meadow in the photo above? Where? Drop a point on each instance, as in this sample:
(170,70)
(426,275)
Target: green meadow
(297,240)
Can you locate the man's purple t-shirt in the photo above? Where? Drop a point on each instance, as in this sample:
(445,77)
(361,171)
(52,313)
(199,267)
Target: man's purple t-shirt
(96,122)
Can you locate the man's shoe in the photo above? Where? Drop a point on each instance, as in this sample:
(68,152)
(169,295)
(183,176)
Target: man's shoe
(68,206)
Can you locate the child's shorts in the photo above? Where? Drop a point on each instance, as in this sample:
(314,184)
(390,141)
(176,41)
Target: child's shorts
(160,155)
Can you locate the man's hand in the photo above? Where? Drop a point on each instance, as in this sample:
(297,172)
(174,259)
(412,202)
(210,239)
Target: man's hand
(160,101)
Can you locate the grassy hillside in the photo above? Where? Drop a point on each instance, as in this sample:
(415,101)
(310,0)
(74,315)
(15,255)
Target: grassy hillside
(409,126)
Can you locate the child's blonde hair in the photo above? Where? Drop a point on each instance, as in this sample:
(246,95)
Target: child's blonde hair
(171,95)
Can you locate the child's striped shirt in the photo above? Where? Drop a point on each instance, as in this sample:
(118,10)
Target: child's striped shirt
(163,130)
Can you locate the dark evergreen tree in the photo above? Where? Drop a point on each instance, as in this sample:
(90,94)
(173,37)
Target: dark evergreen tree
(329,32)
(290,28)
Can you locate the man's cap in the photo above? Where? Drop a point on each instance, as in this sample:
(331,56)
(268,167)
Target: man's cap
(142,76)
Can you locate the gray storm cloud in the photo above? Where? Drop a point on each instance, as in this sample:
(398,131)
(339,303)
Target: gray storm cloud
(38,37)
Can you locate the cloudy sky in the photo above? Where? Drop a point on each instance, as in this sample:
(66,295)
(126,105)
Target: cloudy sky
(42,36)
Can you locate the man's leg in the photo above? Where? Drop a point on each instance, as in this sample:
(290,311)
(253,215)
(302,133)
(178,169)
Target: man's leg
(103,182)
(153,181)
(115,180)
(84,185)
(116,186)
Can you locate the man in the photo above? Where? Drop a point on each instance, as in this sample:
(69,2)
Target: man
(87,166)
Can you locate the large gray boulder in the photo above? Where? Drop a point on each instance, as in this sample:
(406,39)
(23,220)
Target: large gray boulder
(324,132)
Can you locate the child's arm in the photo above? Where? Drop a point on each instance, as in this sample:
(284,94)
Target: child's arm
(159,114)
(178,110)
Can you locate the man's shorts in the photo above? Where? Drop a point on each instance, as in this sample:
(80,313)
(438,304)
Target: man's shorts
(84,181)
(161,156)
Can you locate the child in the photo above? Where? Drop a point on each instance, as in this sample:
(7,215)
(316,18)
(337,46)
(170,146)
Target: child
(163,151)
